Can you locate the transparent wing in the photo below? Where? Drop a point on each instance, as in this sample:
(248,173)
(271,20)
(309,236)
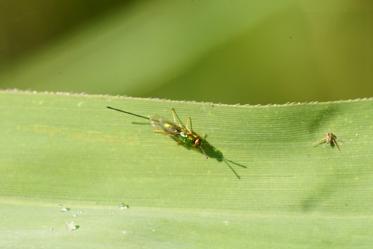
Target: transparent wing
(159,123)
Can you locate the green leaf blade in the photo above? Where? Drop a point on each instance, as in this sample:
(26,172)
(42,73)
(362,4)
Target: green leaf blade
(70,149)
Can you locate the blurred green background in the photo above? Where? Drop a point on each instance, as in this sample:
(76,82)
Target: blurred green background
(230,51)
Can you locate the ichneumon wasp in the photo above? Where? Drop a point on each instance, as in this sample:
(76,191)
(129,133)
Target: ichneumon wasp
(184,135)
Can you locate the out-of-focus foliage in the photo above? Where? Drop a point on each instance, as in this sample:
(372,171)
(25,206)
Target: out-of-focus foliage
(216,50)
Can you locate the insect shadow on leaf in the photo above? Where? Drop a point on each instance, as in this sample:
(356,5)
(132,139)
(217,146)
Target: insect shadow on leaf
(184,135)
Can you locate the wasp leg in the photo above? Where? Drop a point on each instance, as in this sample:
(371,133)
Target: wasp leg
(188,125)
(176,118)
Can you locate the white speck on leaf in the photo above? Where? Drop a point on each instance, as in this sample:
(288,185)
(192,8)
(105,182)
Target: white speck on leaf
(65,209)
(123,206)
(71,226)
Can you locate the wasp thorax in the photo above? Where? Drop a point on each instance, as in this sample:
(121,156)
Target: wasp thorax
(197,142)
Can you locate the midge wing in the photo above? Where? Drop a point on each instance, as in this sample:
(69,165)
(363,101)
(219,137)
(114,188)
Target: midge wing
(161,124)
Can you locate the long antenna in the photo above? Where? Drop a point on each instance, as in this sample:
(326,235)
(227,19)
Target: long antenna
(130,113)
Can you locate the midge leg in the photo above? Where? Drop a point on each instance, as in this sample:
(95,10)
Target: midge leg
(322,141)
(334,142)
